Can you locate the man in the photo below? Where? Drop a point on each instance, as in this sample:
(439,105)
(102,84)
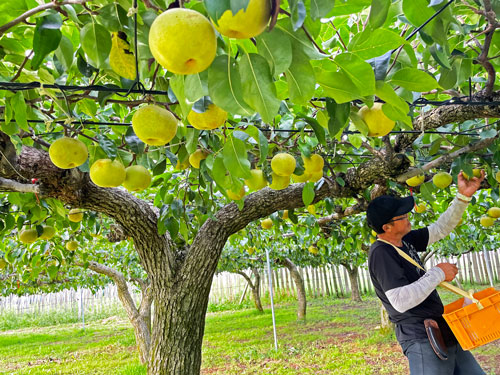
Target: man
(407,292)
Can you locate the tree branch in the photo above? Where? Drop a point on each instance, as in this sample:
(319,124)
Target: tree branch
(38,9)
(14,186)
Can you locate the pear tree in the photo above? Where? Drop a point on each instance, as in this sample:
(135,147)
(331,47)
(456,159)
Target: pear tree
(295,86)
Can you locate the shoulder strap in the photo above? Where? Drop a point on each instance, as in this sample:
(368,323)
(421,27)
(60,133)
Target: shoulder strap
(403,254)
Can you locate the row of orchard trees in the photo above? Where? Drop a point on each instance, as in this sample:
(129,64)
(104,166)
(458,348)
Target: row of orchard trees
(295,88)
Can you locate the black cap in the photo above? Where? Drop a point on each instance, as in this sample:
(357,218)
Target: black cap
(382,209)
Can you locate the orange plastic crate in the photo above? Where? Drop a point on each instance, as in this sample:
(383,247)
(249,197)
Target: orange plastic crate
(472,326)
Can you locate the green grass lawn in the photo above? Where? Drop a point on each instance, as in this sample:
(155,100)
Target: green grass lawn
(339,337)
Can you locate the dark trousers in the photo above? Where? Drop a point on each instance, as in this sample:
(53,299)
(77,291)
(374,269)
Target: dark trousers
(423,360)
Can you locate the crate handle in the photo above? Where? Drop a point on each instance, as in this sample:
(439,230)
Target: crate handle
(461,292)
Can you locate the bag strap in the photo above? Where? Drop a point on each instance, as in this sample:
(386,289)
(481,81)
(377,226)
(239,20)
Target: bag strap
(444,284)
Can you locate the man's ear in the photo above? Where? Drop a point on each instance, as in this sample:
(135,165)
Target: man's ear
(386,227)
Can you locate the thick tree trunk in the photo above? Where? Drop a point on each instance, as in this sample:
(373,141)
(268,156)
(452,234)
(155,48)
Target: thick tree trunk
(353,278)
(299,284)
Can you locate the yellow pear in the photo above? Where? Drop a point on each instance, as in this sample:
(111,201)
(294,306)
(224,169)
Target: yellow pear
(266,223)
(311,209)
(378,123)
(420,208)
(67,153)
(107,173)
(257,180)
(279,182)
(75,215)
(196,157)
(442,180)
(494,212)
(476,172)
(3,264)
(236,196)
(246,23)
(316,176)
(71,245)
(28,236)
(487,221)
(181,165)
(137,178)
(313,249)
(497,176)
(250,250)
(373,233)
(154,125)
(211,119)
(285,214)
(416,180)
(283,164)
(302,178)
(121,58)
(314,163)
(183,41)
(48,232)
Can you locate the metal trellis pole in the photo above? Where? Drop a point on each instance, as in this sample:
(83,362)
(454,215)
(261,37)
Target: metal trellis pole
(272,301)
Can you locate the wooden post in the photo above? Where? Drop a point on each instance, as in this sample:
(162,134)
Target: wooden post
(346,278)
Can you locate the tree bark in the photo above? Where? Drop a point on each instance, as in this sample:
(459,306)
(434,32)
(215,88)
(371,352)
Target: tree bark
(353,278)
(255,287)
(299,284)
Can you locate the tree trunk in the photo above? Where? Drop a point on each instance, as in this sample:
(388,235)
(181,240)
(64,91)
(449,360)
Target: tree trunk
(255,287)
(299,283)
(353,278)
(386,325)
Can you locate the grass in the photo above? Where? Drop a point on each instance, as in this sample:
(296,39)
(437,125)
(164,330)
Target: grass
(339,337)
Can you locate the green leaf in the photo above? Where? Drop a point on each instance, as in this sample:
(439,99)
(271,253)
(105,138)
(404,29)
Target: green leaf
(417,11)
(64,53)
(178,87)
(196,86)
(47,37)
(297,13)
(235,158)
(395,108)
(96,43)
(320,8)
(216,8)
(300,78)
(299,38)
(359,71)
(440,55)
(258,86)
(107,145)
(113,17)
(427,190)
(318,129)
(261,139)
(224,86)
(347,7)
(355,139)
(19,107)
(338,86)
(414,80)
(378,13)
(359,124)
(276,47)
(448,77)
(219,170)
(308,193)
(338,116)
(374,43)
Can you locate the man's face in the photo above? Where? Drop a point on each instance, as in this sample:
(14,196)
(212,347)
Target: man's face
(400,225)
